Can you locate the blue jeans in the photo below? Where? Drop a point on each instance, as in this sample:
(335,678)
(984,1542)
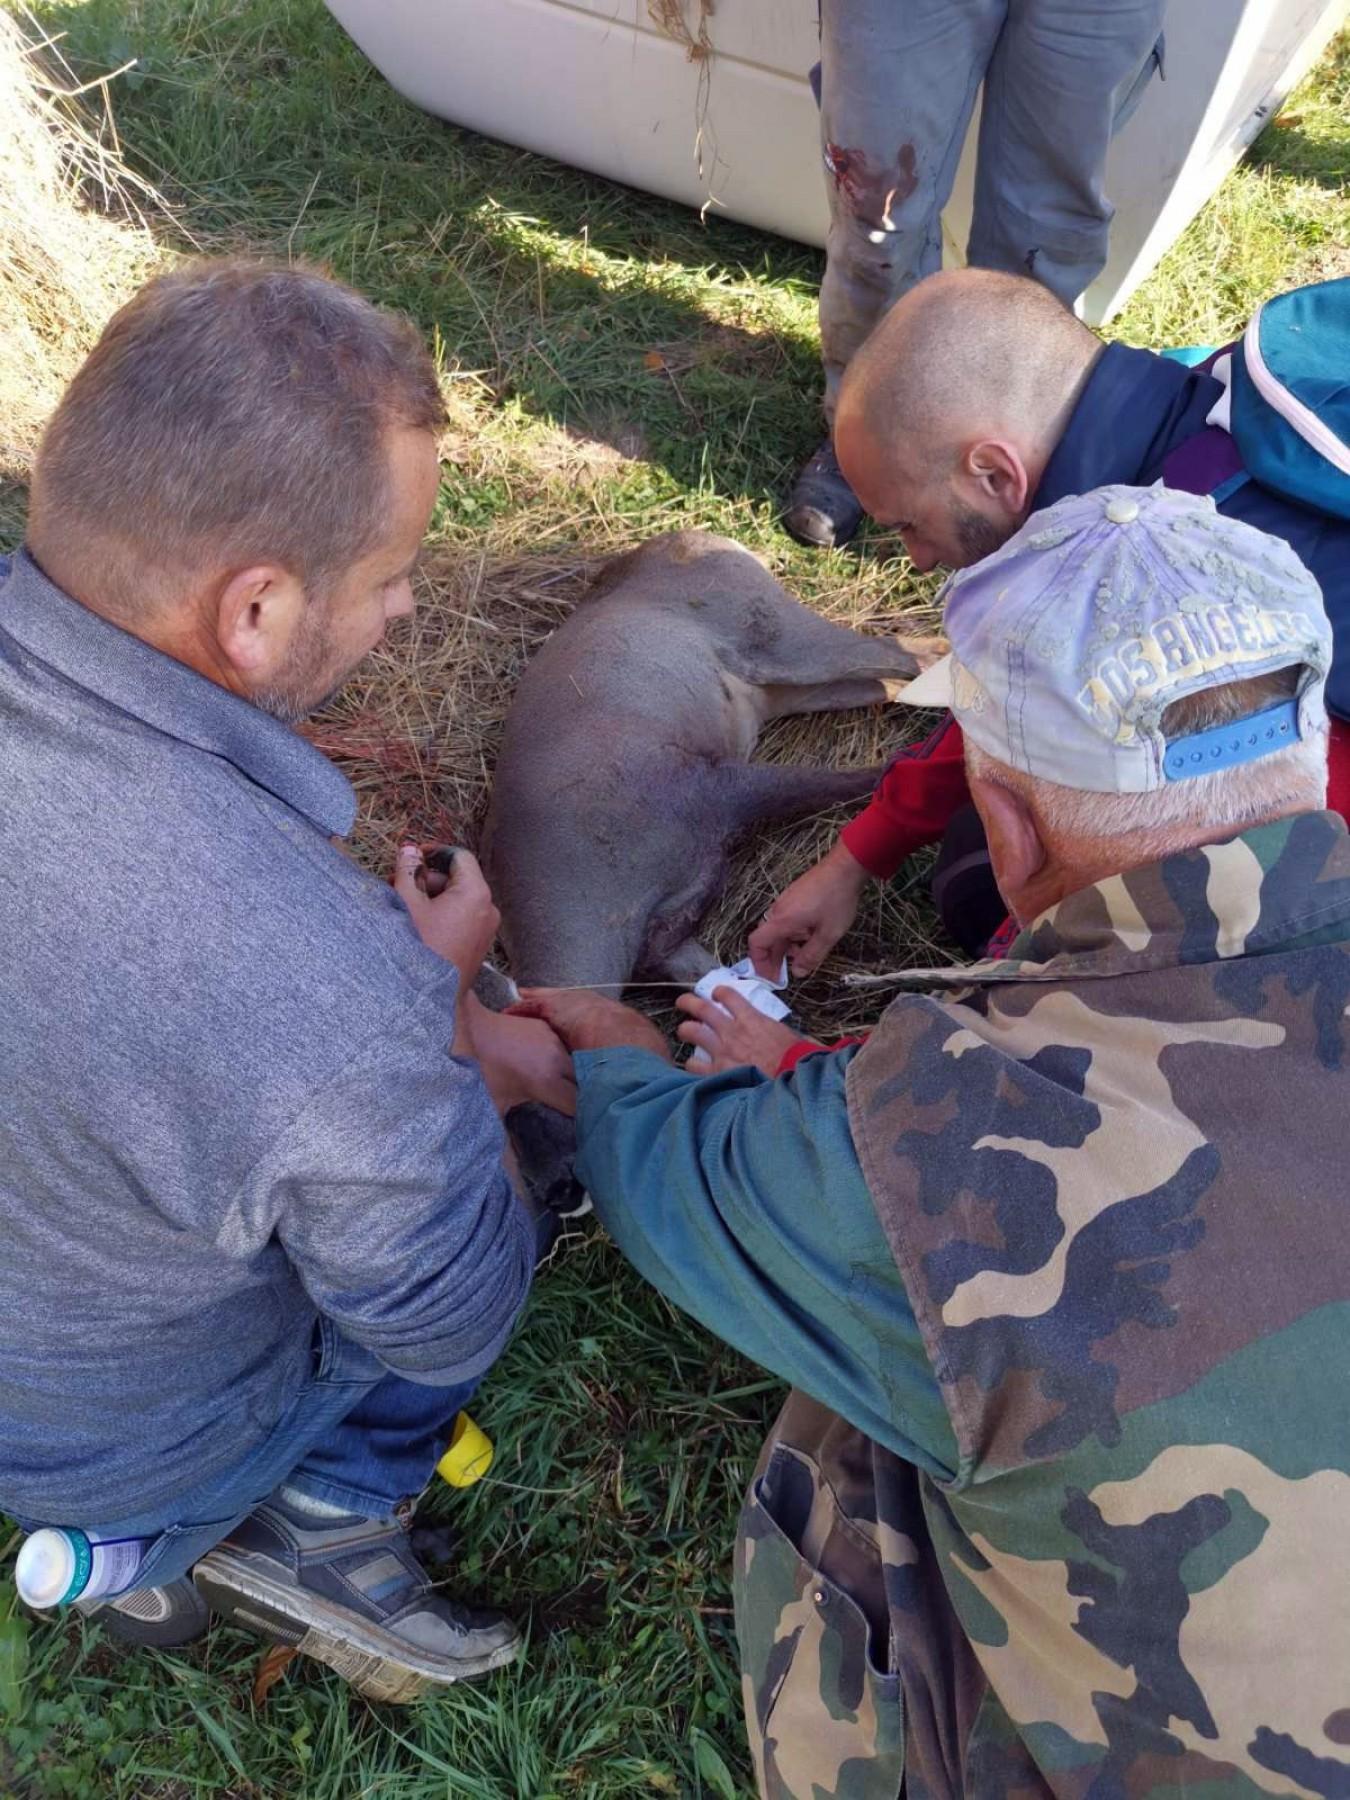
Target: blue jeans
(354,1436)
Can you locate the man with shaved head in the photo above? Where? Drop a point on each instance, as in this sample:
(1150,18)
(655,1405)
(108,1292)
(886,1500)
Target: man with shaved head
(898,81)
(951,411)
(978,399)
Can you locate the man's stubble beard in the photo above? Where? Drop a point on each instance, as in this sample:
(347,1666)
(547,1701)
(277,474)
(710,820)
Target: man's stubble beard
(978,537)
(306,684)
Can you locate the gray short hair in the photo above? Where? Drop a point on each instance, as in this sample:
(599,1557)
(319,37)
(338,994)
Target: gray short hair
(1171,817)
(232,412)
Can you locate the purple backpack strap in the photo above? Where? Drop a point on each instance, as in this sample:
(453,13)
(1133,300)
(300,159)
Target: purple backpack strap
(1208,462)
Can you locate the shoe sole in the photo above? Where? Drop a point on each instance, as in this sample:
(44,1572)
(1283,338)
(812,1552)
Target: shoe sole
(831,537)
(136,1619)
(375,1662)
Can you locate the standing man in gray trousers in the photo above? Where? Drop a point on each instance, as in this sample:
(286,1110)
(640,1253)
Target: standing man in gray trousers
(898,80)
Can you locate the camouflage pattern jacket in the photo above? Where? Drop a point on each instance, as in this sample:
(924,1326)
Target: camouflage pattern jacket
(1112,1172)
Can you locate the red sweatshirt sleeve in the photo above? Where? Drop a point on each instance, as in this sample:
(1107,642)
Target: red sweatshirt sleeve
(809,1047)
(913,804)
(1338,769)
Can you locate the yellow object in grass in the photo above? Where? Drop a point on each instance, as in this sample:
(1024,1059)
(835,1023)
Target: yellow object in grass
(469,1456)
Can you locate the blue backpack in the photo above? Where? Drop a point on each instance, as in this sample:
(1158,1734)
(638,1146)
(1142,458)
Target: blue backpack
(1291,396)
(1286,421)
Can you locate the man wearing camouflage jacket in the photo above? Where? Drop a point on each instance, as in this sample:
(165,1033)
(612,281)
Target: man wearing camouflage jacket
(1056,1261)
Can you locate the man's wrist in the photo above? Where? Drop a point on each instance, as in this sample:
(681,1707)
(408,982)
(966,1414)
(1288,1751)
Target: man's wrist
(795,1053)
(845,868)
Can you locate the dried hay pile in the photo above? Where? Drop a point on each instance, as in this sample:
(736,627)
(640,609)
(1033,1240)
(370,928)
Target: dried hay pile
(417,733)
(65,265)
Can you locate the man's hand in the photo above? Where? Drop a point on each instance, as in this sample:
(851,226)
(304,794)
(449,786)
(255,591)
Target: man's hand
(743,1039)
(585,1020)
(521,1059)
(457,919)
(808,919)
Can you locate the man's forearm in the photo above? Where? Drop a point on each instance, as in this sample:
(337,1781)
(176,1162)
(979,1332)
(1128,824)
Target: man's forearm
(462,1043)
(741,1199)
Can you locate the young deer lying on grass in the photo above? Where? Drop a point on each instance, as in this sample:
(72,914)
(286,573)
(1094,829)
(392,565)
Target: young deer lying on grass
(624,772)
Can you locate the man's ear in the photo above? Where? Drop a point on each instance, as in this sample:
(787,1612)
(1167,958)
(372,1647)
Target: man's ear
(1015,846)
(258,612)
(993,469)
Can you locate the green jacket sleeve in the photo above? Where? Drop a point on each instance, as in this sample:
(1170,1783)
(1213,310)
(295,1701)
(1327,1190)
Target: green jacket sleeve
(742,1200)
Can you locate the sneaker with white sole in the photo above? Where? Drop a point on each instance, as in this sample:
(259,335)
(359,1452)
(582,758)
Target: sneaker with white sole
(351,1593)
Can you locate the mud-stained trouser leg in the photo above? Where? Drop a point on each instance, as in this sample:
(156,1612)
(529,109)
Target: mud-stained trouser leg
(898,86)
(1064,75)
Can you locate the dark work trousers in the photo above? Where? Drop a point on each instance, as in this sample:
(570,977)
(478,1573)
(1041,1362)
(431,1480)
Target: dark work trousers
(964,891)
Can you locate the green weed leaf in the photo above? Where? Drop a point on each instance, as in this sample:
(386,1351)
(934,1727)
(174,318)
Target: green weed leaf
(708,1762)
(13,1666)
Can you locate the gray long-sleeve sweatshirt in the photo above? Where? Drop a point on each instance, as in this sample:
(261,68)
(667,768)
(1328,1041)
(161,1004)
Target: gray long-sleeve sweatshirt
(228,1102)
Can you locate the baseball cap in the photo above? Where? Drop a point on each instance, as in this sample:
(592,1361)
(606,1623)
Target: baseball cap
(1068,644)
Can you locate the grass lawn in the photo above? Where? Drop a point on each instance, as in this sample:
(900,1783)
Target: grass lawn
(616,368)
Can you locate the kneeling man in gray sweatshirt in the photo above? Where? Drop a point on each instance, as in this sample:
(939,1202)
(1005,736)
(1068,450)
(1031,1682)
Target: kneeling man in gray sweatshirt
(261,1240)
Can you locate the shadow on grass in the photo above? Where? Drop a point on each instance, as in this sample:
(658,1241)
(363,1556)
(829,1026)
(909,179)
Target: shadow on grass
(1286,149)
(1310,140)
(601,310)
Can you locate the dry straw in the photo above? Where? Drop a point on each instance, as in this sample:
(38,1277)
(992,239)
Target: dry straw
(671,17)
(75,230)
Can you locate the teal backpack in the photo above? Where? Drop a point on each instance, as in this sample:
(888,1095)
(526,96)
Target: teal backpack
(1284,420)
(1290,396)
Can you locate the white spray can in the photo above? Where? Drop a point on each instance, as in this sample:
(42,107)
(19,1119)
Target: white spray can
(59,1565)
